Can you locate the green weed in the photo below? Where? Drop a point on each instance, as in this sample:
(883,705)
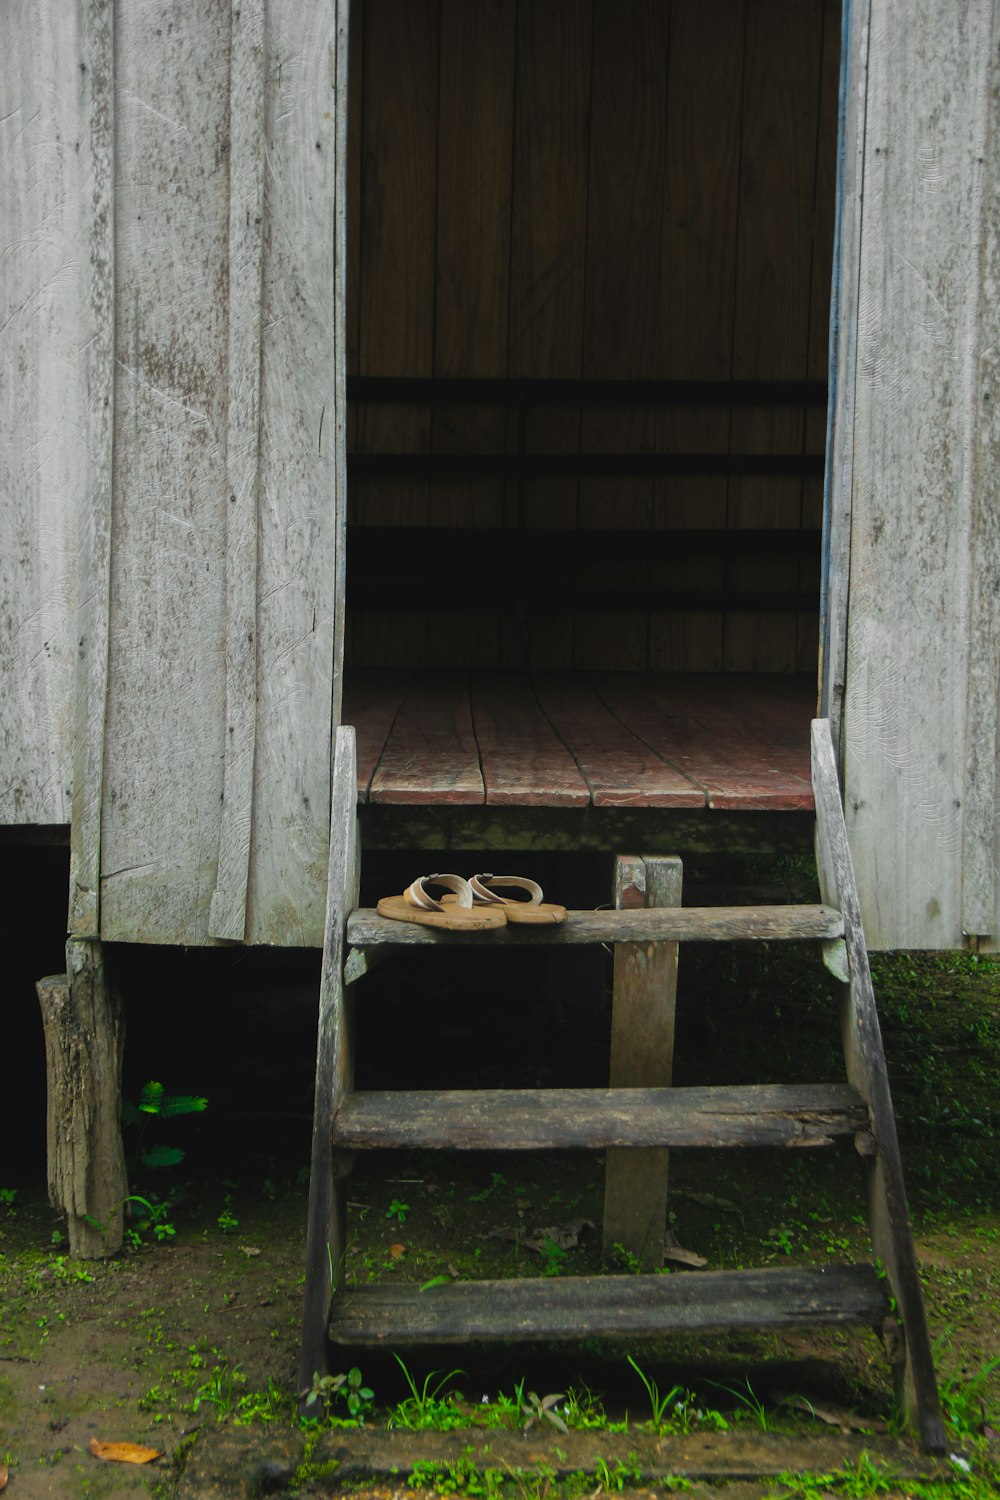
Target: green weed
(425,1407)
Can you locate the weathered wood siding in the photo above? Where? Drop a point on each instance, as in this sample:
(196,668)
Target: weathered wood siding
(586,189)
(920,710)
(229,412)
(43,166)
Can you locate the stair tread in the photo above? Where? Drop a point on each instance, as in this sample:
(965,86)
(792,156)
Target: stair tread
(592,1119)
(365,928)
(561,1307)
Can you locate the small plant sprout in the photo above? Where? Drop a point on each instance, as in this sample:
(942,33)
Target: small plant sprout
(535,1408)
(349,1388)
(155,1103)
(659,1405)
(425,1406)
(749,1399)
(397,1211)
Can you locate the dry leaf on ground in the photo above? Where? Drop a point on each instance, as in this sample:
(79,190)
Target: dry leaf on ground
(3,1476)
(124,1453)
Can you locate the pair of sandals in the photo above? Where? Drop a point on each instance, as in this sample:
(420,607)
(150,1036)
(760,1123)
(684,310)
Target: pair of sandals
(471,904)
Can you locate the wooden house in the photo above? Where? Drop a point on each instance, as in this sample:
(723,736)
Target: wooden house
(568,395)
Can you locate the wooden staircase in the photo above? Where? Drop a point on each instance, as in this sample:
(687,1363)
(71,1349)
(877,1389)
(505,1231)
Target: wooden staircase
(886,1297)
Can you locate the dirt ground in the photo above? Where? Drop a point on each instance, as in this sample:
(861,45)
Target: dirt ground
(188,1344)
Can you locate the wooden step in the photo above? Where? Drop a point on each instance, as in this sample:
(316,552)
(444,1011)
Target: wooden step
(592,1119)
(563,1308)
(691,924)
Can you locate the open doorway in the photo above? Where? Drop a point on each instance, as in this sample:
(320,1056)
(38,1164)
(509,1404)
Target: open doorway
(590,249)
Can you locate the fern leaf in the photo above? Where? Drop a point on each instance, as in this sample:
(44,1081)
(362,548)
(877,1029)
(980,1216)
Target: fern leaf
(151,1098)
(162,1156)
(182,1104)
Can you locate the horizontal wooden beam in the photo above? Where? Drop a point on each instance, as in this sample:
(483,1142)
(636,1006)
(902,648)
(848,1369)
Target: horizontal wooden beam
(424,390)
(691,924)
(580,465)
(645,1307)
(588,830)
(537,549)
(789,1115)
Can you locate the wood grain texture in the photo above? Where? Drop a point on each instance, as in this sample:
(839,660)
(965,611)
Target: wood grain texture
(431,755)
(981,826)
(620,769)
(692,727)
(709,924)
(838,486)
(472,247)
(550,1308)
(699,277)
(643,1003)
(326,1242)
(46,108)
(786,1115)
(229,494)
(300,623)
(771,327)
(623,302)
(91,626)
(524,762)
(84,1027)
(227,914)
(920,322)
(371,703)
(888,1214)
(164,741)
(548,249)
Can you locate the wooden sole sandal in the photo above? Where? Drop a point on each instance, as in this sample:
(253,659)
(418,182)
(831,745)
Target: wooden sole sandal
(532,911)
(461,913)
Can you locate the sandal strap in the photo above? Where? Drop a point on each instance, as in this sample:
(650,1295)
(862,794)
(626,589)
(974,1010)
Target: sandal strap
(480,889)
(417,895)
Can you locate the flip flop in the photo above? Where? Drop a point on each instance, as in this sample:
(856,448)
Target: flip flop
(534,910)
(416,904)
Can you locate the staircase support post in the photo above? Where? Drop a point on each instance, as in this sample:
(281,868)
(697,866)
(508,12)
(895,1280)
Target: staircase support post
(642,1056)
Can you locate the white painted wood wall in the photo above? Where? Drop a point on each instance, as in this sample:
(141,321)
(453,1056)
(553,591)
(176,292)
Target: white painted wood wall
(178,247)
(916,491)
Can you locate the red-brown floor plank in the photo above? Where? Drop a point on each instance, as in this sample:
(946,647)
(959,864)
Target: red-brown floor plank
(698,725)
(621,770)
(524,762)
(431,755)
(371,702)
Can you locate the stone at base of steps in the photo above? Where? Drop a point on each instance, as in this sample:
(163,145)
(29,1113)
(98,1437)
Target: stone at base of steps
(242,1463)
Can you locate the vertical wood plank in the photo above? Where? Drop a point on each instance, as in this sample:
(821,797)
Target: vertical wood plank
(164,741)
(920,320)
(623,302)
(551,168)
(821,277)
(548,245)
(472,279)
(777,171)
(94,527)
(398,217)
(888,1214)
(642,1052)
(839,478)
(326,1237)
(699,266)
(302,510)
(227,914)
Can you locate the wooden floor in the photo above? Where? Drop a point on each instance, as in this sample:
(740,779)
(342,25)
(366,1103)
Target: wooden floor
(579,740)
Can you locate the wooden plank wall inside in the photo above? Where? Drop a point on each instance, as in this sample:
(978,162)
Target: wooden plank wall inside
(580,189)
